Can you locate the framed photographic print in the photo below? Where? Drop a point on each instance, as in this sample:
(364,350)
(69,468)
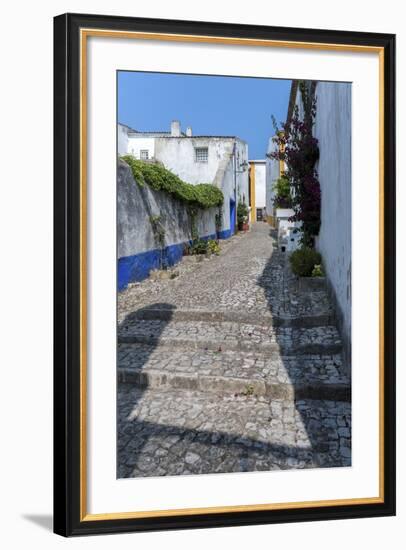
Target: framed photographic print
(224,274)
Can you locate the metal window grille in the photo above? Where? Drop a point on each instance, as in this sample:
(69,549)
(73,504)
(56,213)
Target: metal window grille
(201,154)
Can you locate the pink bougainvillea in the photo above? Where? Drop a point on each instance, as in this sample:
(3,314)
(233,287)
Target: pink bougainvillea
(297,146)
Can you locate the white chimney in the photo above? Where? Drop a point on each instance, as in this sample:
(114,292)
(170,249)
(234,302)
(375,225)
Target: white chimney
(189,131)
(175,128)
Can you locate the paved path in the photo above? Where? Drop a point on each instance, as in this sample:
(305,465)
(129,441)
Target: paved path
(230,367)
(246,278)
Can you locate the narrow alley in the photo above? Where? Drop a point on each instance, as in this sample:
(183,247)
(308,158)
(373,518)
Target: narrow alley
(230,367)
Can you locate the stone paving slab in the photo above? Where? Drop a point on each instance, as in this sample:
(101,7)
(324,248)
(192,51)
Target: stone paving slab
(234,372)
(179,432)
(231,336)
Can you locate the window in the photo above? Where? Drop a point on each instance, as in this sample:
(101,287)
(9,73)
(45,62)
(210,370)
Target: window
(144,154)
(201,154)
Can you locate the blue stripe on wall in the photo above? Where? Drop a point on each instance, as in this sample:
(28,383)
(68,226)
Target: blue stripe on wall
(137,268)
(225,234)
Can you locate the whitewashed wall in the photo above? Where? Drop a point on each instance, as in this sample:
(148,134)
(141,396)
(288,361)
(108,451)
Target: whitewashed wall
(242,171)
(227,186)
(227,165)
(137,249)
(260,184)
(178,155)
(333,130)
(135,206)
(122,139)
(138,144)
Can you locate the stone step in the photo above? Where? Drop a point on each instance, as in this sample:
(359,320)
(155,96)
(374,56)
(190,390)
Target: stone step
(234,372)
(223,336)
(186,432)
(233,316)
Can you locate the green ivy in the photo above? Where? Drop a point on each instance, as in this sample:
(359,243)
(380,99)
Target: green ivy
(193,223)
(219,220)
(203,195)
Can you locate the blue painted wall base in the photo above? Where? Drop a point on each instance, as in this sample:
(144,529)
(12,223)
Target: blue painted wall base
(225,234)
(136,268)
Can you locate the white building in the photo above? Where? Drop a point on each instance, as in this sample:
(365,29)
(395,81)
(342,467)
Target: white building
(219,160)
(257,190)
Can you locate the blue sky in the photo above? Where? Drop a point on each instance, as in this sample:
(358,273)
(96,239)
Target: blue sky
(211,105)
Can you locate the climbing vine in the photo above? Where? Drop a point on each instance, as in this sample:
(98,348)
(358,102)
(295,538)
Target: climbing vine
(297,146)
(193,224)
(159,236)
(158,230)
(203,195)
(219,221)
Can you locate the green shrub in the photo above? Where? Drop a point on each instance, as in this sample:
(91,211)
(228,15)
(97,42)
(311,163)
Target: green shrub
(282,198)
(203,195)
(199,247)
(208,195)
(213,247)
(303,261)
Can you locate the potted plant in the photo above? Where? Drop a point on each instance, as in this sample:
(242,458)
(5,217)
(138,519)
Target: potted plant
(306,264)
(242,216)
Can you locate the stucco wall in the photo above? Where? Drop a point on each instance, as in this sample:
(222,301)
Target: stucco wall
(234,182)
(225,167)
(178,155)
(122,139)
(260,187)
(137,144)
(333,130)
(227,185)
(137,249)
(242,171)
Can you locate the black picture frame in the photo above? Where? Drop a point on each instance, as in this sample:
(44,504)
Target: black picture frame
(67,266)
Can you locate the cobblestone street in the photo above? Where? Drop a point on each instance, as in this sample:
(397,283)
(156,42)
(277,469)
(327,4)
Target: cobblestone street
(229,366)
